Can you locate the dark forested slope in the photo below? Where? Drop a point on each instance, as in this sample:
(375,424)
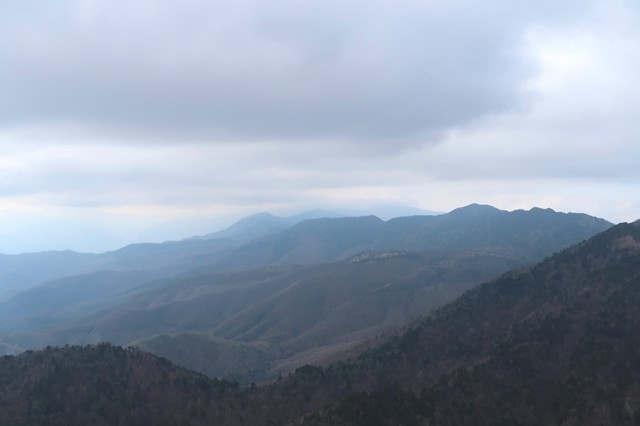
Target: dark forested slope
(105,385)
(556,344)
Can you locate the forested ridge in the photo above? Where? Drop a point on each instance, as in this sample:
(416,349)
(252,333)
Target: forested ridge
(555,343)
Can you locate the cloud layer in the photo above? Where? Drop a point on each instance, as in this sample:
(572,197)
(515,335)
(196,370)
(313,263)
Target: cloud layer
(215,71)
(160,109)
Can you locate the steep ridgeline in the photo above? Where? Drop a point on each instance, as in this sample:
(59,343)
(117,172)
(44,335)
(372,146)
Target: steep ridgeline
(525,236)
(555,344)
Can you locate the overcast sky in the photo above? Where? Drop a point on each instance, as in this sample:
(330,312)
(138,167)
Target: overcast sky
(116,116)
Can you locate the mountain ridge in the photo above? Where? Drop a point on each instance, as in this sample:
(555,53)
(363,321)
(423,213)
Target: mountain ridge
(553,343)
(460,229)
(287,294)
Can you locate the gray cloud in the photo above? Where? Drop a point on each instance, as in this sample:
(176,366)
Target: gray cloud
(250,70)
(151,111)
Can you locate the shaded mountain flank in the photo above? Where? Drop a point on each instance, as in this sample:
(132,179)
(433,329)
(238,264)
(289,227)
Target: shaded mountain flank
(556,343)
(254,324)
(271,320)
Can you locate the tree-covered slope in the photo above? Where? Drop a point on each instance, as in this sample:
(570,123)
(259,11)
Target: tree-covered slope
(553,344)
(105,385)
(556,344)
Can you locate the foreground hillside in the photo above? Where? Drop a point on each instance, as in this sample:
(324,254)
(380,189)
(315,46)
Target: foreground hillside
(104,385)
(556,344)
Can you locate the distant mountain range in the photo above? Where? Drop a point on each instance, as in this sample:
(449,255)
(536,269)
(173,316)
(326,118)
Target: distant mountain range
(250,304)
(263,224)
(522,235)
(553,343)
(177,229)
(20,272)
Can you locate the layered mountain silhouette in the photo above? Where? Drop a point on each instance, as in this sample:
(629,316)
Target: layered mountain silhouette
(523,235)
(22,272)
(554,343)
(263,224)
(278,317)
(310,293)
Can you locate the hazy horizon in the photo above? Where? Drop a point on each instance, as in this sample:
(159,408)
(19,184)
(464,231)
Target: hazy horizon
(97,239)
(119,119)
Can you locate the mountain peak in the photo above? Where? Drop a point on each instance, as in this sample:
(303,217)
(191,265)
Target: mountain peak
(474,209)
